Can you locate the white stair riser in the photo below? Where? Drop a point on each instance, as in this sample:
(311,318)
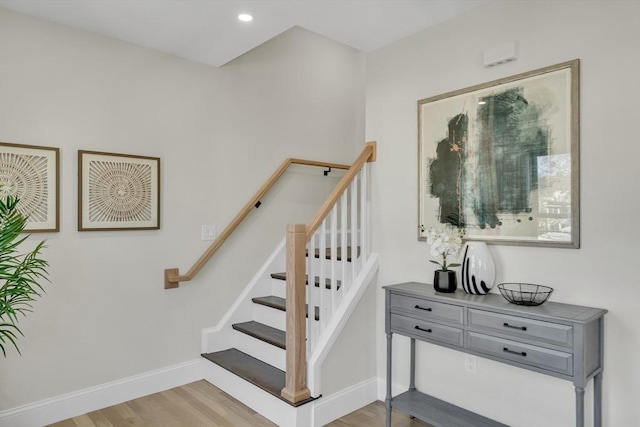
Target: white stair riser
(274,356)
(278,288)
(265,404)
(313,293)
(270,316)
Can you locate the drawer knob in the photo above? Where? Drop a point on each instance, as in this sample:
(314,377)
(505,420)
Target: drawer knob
(422,329)
(423,308)
(521,328)
(518,353)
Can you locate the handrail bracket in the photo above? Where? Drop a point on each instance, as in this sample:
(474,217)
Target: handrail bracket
(169,274)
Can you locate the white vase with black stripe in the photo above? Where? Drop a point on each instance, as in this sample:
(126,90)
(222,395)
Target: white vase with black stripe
(477,271)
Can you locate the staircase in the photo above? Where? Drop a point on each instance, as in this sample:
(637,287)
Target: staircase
(247,348)
(267,325)
(268,349)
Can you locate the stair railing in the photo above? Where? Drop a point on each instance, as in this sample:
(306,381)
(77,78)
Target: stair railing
(339,236)
(172,278)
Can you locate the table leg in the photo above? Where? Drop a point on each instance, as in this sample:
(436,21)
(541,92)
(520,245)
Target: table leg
(387,402)
(412,370)
(597,400)
(579,406)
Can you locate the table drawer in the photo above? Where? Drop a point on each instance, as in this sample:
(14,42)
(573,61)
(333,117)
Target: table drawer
(426,309)
(552,333)
(540,357)
(427,330)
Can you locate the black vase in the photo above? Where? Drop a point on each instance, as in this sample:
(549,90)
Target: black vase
(445,281)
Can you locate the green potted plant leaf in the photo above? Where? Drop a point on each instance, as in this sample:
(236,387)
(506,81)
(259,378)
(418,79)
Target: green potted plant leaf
(20,274)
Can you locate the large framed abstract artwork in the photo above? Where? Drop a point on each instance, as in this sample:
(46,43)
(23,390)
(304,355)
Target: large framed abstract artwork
(118,192)
(502,159)
(31,173)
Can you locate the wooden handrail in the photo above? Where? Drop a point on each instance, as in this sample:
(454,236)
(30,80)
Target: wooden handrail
(172,278)
(368,155)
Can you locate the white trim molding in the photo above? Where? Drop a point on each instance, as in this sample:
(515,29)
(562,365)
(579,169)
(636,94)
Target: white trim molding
(336,405)
(80,402)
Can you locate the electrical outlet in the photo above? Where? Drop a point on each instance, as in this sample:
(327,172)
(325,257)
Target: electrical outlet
(208,232)
(470,364)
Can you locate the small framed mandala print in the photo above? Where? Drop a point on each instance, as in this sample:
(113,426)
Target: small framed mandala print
(31,173)
(118,192)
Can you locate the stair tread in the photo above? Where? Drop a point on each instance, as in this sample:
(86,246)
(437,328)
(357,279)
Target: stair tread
(327,253)
(280,304)
(271,301)
(327,281)
(263,332)
(255,371)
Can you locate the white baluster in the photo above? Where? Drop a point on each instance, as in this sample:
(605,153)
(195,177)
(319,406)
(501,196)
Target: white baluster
(312,300)
(344,219)
(333,216)
(354,228)
(324,314)
(364,231)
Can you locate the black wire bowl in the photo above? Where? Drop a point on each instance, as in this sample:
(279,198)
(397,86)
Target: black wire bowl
(525,293)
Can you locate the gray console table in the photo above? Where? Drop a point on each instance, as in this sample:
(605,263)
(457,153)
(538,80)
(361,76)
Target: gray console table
(561,340)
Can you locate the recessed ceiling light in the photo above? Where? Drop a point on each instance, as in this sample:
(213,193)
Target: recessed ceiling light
(245,17)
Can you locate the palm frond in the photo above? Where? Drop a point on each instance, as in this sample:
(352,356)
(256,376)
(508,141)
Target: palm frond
(20,274)
(7,334)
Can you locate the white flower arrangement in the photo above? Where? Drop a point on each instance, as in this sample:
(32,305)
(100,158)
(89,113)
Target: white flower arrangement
(444,243)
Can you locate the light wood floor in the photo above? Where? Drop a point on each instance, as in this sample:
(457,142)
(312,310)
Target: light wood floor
(202,404)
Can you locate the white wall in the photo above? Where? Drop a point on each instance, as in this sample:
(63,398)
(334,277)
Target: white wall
(219,132)
(605,36)
(353,357)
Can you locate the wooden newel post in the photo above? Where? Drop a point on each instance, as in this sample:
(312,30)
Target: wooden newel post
(295,388)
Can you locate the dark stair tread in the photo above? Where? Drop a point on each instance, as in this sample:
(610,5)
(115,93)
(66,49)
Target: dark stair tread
(257,372)
(327,281)
(280,304)
(263,332)
(327,253)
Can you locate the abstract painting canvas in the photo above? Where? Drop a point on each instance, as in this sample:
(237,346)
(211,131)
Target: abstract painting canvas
(501,159)
(118,191)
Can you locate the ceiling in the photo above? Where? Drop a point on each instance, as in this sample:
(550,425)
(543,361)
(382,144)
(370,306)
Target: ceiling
(208,31)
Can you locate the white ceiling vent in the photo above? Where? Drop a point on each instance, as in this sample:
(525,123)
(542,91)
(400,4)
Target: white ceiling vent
(501,54)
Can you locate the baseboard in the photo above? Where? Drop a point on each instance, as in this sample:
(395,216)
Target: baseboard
(396,389)
(59,408)
(93,398)
(334,406)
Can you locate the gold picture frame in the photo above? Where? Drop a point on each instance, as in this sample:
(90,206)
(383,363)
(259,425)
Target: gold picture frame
(118,191)
(31,173)
(502,159)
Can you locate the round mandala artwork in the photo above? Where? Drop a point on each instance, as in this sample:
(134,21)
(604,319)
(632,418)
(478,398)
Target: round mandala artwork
(25,177)
(119,192)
